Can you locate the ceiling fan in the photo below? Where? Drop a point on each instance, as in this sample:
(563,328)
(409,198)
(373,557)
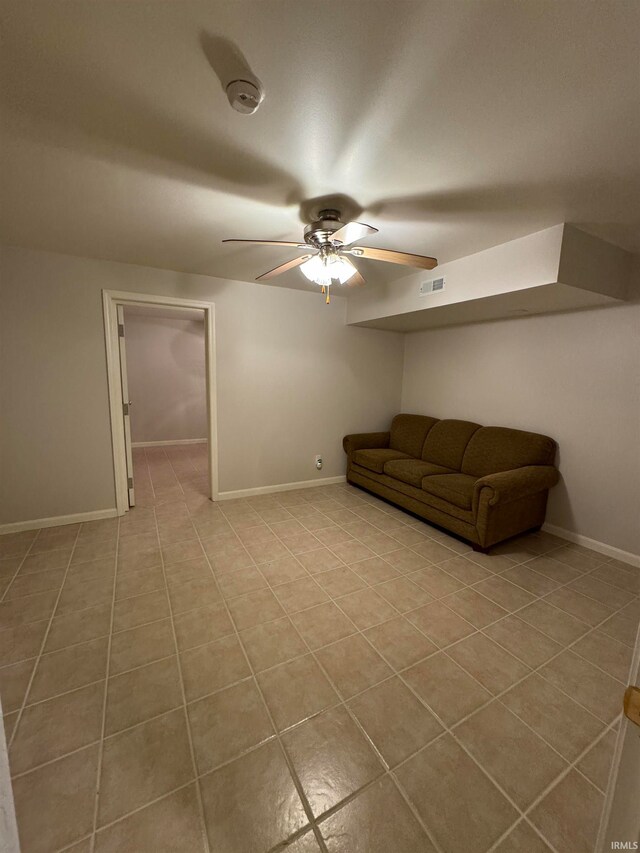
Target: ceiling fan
(327,245)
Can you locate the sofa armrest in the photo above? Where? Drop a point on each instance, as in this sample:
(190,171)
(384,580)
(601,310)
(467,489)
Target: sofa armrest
(518,483)
(364,441)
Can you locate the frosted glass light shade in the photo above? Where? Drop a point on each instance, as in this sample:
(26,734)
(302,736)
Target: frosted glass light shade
(323,271)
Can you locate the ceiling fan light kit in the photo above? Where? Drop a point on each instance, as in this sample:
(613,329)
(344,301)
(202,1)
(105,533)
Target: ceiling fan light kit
(330,240)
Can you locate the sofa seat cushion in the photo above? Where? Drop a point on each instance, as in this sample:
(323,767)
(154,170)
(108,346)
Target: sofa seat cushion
(375,458)
(455,488)
(413,471)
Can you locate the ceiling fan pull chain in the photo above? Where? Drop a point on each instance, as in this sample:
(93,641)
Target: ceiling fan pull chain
(323,288)
(328,299)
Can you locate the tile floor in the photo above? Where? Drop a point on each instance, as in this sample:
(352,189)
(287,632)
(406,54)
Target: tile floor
(309,671)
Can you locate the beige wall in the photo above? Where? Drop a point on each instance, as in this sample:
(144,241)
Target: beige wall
(292,380)
(575,377)
(166,371)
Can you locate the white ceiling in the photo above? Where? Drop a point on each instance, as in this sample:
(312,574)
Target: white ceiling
(453,126)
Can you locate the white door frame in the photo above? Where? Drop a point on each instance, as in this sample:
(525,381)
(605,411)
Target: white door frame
(110,300)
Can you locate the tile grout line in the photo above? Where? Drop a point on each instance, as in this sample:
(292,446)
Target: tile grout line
(42,646)
(96,804)
(294,776)
(203,823)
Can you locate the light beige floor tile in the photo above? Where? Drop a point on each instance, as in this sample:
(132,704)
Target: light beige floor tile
(141,764)
(603,651)
(578,605)
(331,747)
(487,662)
(50,538)
(255,608)
(569,815)
(31,608)
(353,665)
(340,581)
(296,690)
(493,562)
(504,746)
(623,576)
(241,582)
(475,608)
(266,552)
(375,570)
(533,582)
(189,595)
(557,624)
(16,543)
(553,569)
(167,826)
(34,583)
(14,680)
(196,569)
(140,646)
(592,688)
(139,560)
(78,595)
(93,570)
(503,592)
(54,804)
(403,594)
(203,625)
(400,643)
(406,560)
(440,624)
(457,802)
(213,666)
(138,583)
(322,624)
(397,723)
(272,643)
(435,581)
(620,627)
(596,764)
(131,612)
(603,592)
(285,570)
(46,561)
(178,552)
(523,641)
(377,821)
(252,803)
(300,594)
(434,551)
(227,723)
(559,720)
(53,728)
(446,688)
(582,559)
(306,843)
(366,608)
(465,570)
(69,668)
(523,839)
(84,553)
(321,560)
(142,693)
(22,642)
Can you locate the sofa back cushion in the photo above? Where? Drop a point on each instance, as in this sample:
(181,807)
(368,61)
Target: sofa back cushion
(495,449)
(445,444)
(408,433)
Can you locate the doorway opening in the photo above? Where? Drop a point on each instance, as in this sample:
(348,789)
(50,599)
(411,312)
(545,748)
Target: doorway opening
(168,360)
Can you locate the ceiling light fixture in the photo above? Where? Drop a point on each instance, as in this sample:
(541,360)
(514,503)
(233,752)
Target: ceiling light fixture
(325,268)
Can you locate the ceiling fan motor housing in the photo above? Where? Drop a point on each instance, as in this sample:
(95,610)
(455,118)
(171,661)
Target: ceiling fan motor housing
(318,233)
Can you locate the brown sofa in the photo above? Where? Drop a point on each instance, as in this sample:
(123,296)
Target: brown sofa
(483,484)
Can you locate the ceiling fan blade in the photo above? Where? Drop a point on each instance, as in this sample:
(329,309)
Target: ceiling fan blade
(405,258)
(352,231)
(356,280)
(267,243)
(288,265)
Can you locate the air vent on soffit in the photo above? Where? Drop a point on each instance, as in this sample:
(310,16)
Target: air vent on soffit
(435,285)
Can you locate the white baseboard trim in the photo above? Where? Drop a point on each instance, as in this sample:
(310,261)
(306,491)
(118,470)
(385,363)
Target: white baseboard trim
(57,520)
(594,545)
(164,443)
(281,487)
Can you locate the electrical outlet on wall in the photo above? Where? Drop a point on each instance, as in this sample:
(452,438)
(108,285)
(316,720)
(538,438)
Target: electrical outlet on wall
(319,462)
